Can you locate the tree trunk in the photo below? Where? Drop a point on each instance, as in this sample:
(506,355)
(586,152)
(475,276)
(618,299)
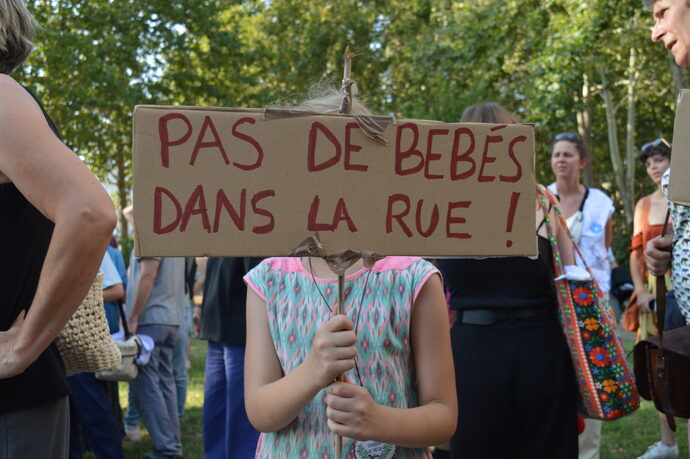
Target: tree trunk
(584,128)
(122,195)
(630,126)
(614,150)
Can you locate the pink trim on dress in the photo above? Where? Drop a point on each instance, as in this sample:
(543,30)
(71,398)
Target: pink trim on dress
(287,264)
(251,285)
(423,282)
(390,263)
(294,264)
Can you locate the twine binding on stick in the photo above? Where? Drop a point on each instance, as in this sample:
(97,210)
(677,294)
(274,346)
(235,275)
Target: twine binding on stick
(373,126)
(339,261)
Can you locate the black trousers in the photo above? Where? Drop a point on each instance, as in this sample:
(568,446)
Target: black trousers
(517,396)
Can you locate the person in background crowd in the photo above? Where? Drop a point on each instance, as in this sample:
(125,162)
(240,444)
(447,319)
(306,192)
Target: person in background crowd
(112,311)
(90,399)
(155,303)
(226,428)
(180,360)
(56,222)
(181,351)
(132,417)
(650,213)
(507,341)
(588,212)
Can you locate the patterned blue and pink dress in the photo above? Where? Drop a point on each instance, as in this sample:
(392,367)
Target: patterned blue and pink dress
(380,305)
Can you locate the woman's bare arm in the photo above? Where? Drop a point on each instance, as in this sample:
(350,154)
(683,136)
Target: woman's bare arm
(643,295)
(60,186)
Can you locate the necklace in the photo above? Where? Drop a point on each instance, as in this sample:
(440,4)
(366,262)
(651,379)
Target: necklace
(359,308)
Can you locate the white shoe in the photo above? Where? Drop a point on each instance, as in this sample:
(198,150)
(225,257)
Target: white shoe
(660,450)
(133,433)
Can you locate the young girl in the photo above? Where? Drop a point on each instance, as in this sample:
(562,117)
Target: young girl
(391,341)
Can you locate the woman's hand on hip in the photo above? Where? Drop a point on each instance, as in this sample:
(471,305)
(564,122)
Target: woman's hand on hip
(12,360)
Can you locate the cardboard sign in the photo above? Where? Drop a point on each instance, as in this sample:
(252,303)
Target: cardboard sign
(679,183)
(227,182)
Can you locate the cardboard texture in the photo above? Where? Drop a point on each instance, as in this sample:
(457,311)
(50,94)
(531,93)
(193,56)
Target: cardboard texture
(679,184)
(226,182)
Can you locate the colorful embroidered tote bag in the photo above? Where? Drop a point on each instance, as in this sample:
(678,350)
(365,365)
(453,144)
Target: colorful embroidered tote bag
(606,386)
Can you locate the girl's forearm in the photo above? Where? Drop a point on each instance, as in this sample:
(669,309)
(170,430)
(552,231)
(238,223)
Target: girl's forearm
(275,405)
(418,427)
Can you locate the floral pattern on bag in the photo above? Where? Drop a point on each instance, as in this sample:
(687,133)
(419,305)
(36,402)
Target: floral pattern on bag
(613,386)
(605,383)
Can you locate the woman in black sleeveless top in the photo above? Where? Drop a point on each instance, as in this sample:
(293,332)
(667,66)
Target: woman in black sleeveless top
(516,386)
(55,222)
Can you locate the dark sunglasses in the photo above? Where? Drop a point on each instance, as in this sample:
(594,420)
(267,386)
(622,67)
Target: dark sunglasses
(655,144)
(571,136)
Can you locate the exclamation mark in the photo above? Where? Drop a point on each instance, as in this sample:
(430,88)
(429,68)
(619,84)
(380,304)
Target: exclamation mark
(511,216)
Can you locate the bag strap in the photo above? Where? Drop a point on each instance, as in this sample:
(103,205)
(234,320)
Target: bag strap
(123,319)
(564,224)
(661,293)
(543,195)
(584,198)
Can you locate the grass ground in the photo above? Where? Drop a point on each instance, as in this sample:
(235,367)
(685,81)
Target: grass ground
(630,436)
(622,439)
(192,441)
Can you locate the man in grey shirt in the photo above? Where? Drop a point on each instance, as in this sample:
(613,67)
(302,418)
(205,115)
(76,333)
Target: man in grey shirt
(155,308)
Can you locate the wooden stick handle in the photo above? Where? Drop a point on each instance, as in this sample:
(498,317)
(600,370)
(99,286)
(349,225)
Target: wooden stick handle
(339,308)
(346,105)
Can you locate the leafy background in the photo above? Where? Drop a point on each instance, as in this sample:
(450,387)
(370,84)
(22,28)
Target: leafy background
(564,65)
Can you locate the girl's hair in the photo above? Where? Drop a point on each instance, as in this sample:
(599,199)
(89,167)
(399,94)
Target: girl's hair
(488,113)
(573,138)
(16,34)
(657,147)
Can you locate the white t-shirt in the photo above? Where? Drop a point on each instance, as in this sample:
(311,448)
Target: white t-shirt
(596,212)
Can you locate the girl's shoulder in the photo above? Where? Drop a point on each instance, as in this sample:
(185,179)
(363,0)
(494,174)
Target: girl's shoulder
(385,264)
(392,265)
(414,271)
(263,279)
(285,264)
(397,263)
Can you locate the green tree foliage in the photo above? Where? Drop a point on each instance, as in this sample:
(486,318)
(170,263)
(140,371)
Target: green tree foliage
(564,65)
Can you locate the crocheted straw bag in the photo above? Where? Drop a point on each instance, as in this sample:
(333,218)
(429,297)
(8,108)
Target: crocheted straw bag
(85,343)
